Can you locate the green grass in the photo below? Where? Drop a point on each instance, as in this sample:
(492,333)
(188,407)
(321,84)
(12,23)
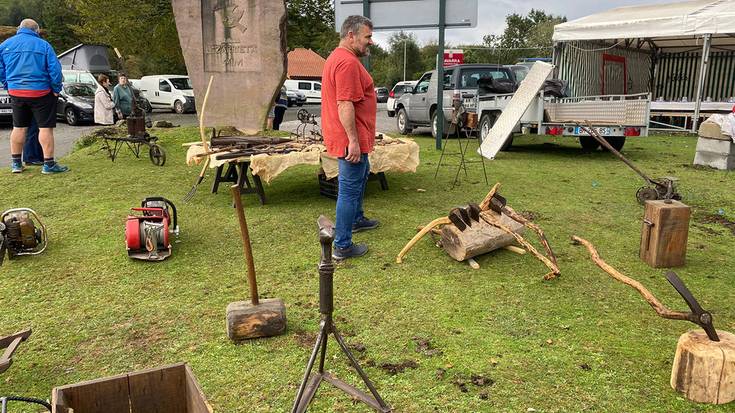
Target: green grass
(96,312)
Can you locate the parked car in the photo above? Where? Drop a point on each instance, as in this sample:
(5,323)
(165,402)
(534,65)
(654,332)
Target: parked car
(295,97)
(6,110)
(382,94)
(173,92)
(79,76)
(418,108)
(75,103)
(310,88)
(398,90)
(142,101)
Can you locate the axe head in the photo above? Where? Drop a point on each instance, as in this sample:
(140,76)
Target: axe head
(497,203)
(474,211)
(456,217)
(465,216)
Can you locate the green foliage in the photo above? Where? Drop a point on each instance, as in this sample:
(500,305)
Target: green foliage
(311,25)
(143,30)
(388,65)
(530,35)
(57,19)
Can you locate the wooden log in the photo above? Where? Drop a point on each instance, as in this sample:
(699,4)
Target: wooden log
(664,234)
(704,370)
(246,321)
(478,239)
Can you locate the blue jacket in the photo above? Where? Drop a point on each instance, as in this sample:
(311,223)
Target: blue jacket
(28,62)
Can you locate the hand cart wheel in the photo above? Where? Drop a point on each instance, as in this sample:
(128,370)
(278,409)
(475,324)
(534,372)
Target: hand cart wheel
(157,155)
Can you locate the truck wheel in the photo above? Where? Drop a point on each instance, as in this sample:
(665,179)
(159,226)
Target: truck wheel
(434,126)
(589,144)
(486,123)
(616,142)
(402,122)
(178,107)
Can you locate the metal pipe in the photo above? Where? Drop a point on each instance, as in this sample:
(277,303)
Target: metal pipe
(404,60)
(440,75)
(702,77)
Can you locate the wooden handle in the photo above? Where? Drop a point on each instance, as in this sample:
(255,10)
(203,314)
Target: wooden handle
(661,309)
(247,248)
(425,230)
(201,115)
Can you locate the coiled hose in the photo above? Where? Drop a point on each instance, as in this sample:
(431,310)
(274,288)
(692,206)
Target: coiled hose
(5,399)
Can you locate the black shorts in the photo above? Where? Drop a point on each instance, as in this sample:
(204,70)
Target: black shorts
(42,109)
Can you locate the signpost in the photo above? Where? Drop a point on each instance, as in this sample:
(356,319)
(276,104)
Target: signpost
(416,15)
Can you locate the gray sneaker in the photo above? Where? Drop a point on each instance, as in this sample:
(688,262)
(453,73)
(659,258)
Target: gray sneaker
(353,251)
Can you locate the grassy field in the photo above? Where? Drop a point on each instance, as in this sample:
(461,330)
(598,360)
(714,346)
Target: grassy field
(434,335)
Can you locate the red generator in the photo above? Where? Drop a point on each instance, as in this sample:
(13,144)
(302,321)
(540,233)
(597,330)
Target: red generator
(147,229)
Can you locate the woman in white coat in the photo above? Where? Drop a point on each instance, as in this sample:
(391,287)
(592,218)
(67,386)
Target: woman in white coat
(103,105)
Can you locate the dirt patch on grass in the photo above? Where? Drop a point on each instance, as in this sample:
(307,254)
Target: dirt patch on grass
(304,339)
(424,346)
(718,219)
(530,215)
(396,368)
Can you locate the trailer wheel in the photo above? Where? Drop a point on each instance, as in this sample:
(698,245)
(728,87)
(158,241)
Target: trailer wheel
(616,142)
(589,144)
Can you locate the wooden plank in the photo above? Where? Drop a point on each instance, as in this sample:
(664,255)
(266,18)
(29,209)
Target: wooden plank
(159,390)
(107,395)
(196,402)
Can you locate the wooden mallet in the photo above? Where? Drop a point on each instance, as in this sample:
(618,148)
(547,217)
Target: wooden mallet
(254,318)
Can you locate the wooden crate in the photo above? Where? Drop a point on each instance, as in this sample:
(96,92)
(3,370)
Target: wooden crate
(664,233)
(169,389)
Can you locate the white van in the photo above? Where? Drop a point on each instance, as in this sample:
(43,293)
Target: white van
(310,88)
(172,92)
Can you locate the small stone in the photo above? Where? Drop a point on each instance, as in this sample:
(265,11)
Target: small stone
(420,190)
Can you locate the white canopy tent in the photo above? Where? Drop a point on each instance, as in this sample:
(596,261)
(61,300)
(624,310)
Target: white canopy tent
(682,26)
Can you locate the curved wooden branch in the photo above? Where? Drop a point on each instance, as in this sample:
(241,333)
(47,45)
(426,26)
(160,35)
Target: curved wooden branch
(425,230)
(485,204)
(535,228)
(490,219)
(660,309)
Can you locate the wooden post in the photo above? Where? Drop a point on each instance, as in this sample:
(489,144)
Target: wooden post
(664,233)
(704,370)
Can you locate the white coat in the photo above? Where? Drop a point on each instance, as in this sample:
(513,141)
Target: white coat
(103,107)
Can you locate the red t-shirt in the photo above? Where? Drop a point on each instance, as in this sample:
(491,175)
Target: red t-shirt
(344,78)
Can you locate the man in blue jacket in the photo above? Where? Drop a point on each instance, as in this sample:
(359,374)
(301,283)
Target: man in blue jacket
(31,73)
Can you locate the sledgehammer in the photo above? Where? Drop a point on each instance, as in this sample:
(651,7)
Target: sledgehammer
(254,318)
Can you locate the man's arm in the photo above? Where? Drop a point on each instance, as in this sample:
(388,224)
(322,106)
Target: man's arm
(346,110)
(54,70)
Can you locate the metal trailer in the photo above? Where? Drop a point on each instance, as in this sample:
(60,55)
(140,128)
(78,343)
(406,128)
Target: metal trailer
(613,116)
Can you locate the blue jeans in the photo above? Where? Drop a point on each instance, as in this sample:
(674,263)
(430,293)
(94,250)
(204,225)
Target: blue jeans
(32,151)
(352,179)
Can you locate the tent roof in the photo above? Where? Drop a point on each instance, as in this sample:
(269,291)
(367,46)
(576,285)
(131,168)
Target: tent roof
(672,25)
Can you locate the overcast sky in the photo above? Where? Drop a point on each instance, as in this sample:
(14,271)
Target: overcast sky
(491,16)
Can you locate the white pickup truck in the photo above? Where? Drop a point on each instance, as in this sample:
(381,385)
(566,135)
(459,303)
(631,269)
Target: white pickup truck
(615,117)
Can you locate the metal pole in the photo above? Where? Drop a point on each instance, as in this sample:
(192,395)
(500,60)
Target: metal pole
(366,13)
(440,76)
(404,60)
(702,77)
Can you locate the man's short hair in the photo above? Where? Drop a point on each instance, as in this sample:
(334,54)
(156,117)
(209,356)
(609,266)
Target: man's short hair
(353,24)
(29,24)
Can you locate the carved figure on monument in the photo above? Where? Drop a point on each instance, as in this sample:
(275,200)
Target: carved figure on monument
(228,44)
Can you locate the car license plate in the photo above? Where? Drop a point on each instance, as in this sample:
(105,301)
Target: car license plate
(6,110)
(602,131)
(5,100)
(469,103)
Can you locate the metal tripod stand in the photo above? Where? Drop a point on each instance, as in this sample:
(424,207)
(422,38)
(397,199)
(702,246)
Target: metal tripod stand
(311,383)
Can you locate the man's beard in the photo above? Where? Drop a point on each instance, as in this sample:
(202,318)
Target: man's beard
(363,54)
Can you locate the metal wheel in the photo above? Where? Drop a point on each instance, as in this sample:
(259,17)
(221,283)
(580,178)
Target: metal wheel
(179,107)
(616,142)
(646,193)
(402,122)
(157,155)
(71,116)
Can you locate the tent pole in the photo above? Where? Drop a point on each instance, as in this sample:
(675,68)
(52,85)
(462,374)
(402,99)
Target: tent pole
(702,78)
(556,59)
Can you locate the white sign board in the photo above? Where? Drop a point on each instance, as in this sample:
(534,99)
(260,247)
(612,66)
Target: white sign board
(409,14)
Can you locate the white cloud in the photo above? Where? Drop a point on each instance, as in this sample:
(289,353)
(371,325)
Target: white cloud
(492,13)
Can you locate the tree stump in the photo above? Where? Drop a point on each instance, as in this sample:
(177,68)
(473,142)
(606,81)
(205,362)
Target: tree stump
(704,370)
(478,239)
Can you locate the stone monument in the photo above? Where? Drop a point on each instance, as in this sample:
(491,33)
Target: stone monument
(242,43)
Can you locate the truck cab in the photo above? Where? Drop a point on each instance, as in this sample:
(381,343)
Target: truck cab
(418,107)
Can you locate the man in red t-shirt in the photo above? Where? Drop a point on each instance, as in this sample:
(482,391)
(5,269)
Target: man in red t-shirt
(349,106)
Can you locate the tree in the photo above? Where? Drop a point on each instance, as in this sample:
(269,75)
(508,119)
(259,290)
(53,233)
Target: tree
(143,30)
(387,66)
(523,36)
(311,25)
(57,20)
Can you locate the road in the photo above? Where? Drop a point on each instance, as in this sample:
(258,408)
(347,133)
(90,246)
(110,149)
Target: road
(66,135)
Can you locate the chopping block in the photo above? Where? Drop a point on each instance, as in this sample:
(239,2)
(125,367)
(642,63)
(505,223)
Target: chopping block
(704,370)
(254,318)
(664,233)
